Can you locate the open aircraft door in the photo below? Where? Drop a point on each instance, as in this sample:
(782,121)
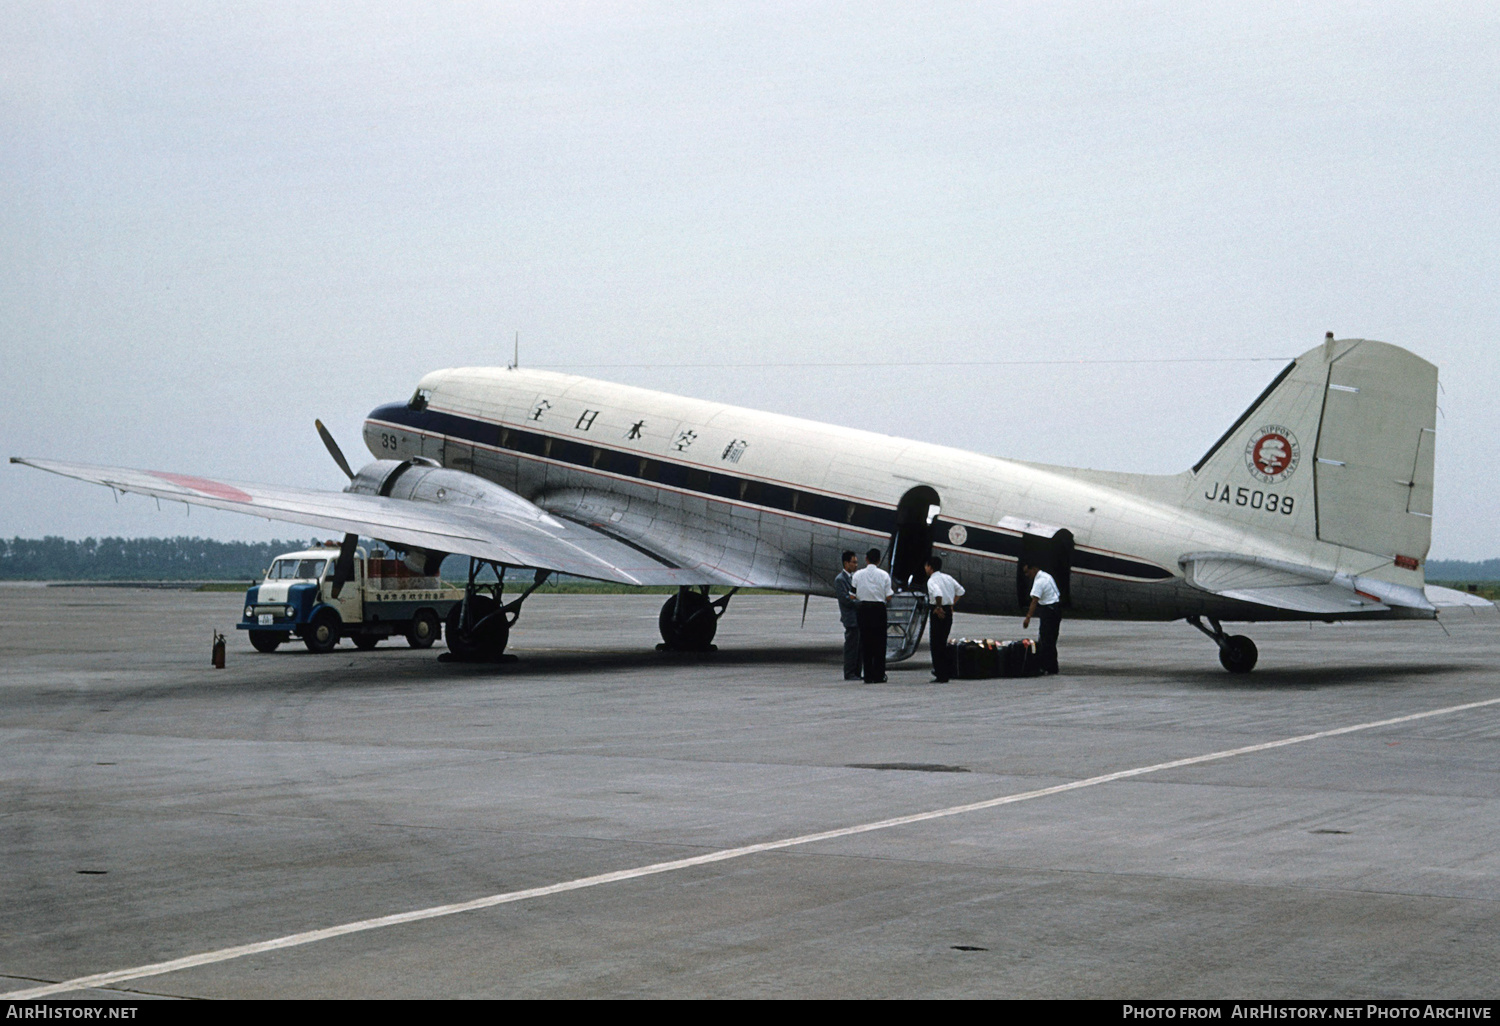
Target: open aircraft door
(1047,547)
(911,546)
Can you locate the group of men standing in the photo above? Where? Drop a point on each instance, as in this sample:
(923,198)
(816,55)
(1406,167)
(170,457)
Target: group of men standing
(864,594)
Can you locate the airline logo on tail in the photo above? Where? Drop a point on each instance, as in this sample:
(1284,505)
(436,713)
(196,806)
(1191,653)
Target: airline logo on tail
(1272,454)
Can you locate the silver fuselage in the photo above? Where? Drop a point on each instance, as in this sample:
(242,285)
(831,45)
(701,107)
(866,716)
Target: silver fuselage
(769,500)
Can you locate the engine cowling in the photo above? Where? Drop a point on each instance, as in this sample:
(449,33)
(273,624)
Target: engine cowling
(423,480)
(380,477)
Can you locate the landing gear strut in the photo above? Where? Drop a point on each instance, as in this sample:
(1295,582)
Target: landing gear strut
(1237,654)
(689,620)
(478,628)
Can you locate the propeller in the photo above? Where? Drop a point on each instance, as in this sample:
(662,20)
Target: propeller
(333,449)
(343,570)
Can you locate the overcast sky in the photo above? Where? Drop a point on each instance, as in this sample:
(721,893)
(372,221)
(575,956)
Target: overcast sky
(218,222)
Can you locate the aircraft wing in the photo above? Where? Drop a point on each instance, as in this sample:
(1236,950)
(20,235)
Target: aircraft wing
(521,535)
(1303,589)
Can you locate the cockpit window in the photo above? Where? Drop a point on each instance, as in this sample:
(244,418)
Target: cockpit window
(418,400)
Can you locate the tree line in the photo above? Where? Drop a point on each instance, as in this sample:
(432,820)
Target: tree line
(1461,570)
(137,559)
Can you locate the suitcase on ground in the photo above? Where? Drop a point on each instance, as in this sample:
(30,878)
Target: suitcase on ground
(974,660)
(969,659)
(1019,659)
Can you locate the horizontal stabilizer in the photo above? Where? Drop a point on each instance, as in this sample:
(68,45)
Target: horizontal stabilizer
(1295,587)
(1452,598)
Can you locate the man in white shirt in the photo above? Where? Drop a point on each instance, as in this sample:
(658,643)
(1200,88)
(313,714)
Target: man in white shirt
(943,592)
(1046,606)
(872,588)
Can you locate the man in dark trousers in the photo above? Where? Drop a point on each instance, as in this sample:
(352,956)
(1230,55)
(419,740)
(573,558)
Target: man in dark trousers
(1046,606)
(843,587)
(943,592)
(872,587)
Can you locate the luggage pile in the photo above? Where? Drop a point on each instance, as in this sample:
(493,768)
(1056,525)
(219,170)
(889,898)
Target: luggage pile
(980,659)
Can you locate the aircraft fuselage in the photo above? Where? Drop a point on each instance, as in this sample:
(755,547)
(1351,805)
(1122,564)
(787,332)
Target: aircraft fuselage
(768,500)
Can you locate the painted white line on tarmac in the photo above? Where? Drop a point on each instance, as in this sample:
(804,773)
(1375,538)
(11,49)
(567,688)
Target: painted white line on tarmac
(438,911)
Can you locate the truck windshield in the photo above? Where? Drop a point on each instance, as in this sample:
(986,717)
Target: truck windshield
(296,570)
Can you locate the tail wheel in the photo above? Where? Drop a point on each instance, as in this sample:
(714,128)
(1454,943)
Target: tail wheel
(266,641)
(691,625)
(1238,654)
(488,632)
(324,631)
(424,630)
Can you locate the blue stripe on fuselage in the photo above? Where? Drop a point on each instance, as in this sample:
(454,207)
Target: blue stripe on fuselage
(716,484)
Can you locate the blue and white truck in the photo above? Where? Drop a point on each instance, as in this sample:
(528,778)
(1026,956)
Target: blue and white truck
(383,598)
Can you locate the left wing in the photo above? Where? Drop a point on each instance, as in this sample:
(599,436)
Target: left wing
(514,532)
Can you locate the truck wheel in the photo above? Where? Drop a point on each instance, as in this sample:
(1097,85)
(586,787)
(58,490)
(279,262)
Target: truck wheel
(323,633)
(266,641)
(488,632)
(365,642)
(424,629)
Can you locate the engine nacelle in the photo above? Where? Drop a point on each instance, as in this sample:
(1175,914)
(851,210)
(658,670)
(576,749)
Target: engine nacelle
(423,480)
(379,477)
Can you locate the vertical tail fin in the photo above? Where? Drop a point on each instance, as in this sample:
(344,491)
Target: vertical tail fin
(1338,448)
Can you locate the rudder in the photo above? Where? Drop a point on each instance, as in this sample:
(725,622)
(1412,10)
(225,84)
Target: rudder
(1374,465)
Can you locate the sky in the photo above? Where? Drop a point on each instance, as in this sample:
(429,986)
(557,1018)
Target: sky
(1076,233)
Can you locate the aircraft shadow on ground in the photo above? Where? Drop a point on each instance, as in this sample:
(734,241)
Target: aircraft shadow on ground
(1304,678)
(607,661)
(372,668)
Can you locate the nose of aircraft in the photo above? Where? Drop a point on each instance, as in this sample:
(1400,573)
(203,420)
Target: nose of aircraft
(383,427)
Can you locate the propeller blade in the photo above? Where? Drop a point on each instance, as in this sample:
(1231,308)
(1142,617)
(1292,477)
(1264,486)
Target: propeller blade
(343,570)
(333,449)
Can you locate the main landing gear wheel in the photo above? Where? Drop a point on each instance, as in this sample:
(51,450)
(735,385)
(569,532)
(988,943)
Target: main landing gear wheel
(479,626)
(266,641)
(487,635)
(1238,654)
(424,629)
(690,619)
(323,633)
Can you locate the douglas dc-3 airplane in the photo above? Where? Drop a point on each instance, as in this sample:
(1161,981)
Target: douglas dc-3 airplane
(1316,504)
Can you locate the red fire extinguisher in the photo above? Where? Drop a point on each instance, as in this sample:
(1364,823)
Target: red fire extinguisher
(218,651)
